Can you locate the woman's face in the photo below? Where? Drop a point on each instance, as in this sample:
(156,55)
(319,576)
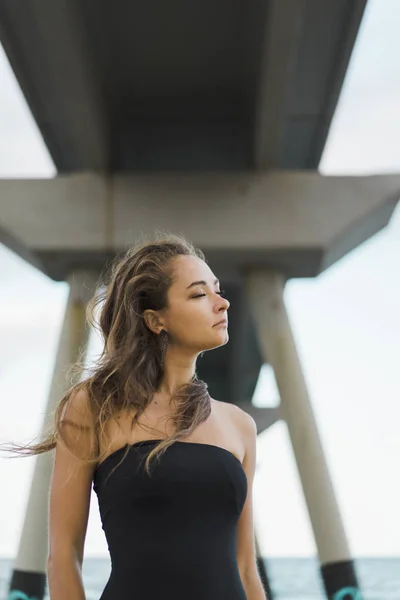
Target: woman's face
(194,309)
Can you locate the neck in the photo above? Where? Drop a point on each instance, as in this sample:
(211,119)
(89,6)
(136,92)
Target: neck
(179,369)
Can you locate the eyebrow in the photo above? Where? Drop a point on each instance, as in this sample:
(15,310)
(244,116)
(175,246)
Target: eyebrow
(202,282)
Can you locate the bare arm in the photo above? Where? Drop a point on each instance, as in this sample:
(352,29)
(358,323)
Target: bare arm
(69,504)
(246,550)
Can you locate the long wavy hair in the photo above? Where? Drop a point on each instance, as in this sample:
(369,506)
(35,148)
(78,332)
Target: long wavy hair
(129,369)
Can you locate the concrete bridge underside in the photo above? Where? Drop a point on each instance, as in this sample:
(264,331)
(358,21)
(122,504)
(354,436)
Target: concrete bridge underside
(200,85)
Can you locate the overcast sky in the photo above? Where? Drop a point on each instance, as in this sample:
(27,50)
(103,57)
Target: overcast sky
(346,324)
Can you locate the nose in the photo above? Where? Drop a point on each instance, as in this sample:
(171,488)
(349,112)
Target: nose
(224,303)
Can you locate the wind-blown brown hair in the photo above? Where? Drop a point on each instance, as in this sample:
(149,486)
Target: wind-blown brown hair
(129,369)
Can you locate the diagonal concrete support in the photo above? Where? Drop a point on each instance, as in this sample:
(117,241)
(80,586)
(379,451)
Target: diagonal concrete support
(265,290)
(29,572)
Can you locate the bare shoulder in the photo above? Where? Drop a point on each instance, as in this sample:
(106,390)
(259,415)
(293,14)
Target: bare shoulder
(243,424)
(77,424)
(239,416)
(77,408)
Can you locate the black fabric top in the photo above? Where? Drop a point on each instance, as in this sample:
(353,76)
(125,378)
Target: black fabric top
(172,534)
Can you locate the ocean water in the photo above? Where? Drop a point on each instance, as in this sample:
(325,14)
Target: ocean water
(290,578)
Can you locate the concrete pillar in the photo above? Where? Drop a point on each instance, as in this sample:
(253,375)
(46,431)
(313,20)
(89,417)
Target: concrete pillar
(265,290)
(28,580)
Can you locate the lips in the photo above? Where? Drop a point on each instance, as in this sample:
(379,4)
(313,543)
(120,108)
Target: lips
(222,322)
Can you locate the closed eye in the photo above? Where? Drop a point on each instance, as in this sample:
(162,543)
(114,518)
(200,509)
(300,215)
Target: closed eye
(221,293)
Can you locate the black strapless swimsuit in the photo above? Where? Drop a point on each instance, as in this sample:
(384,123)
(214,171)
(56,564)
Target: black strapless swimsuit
(172,535)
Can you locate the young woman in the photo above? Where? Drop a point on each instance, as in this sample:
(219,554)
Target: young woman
(172,467)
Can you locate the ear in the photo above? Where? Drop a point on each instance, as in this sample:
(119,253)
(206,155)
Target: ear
(153,321)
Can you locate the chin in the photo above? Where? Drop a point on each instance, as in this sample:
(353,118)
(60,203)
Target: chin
(223,338)
(218,340)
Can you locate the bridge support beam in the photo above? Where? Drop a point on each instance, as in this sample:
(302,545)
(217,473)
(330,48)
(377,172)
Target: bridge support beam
(28,579)
(265,290)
